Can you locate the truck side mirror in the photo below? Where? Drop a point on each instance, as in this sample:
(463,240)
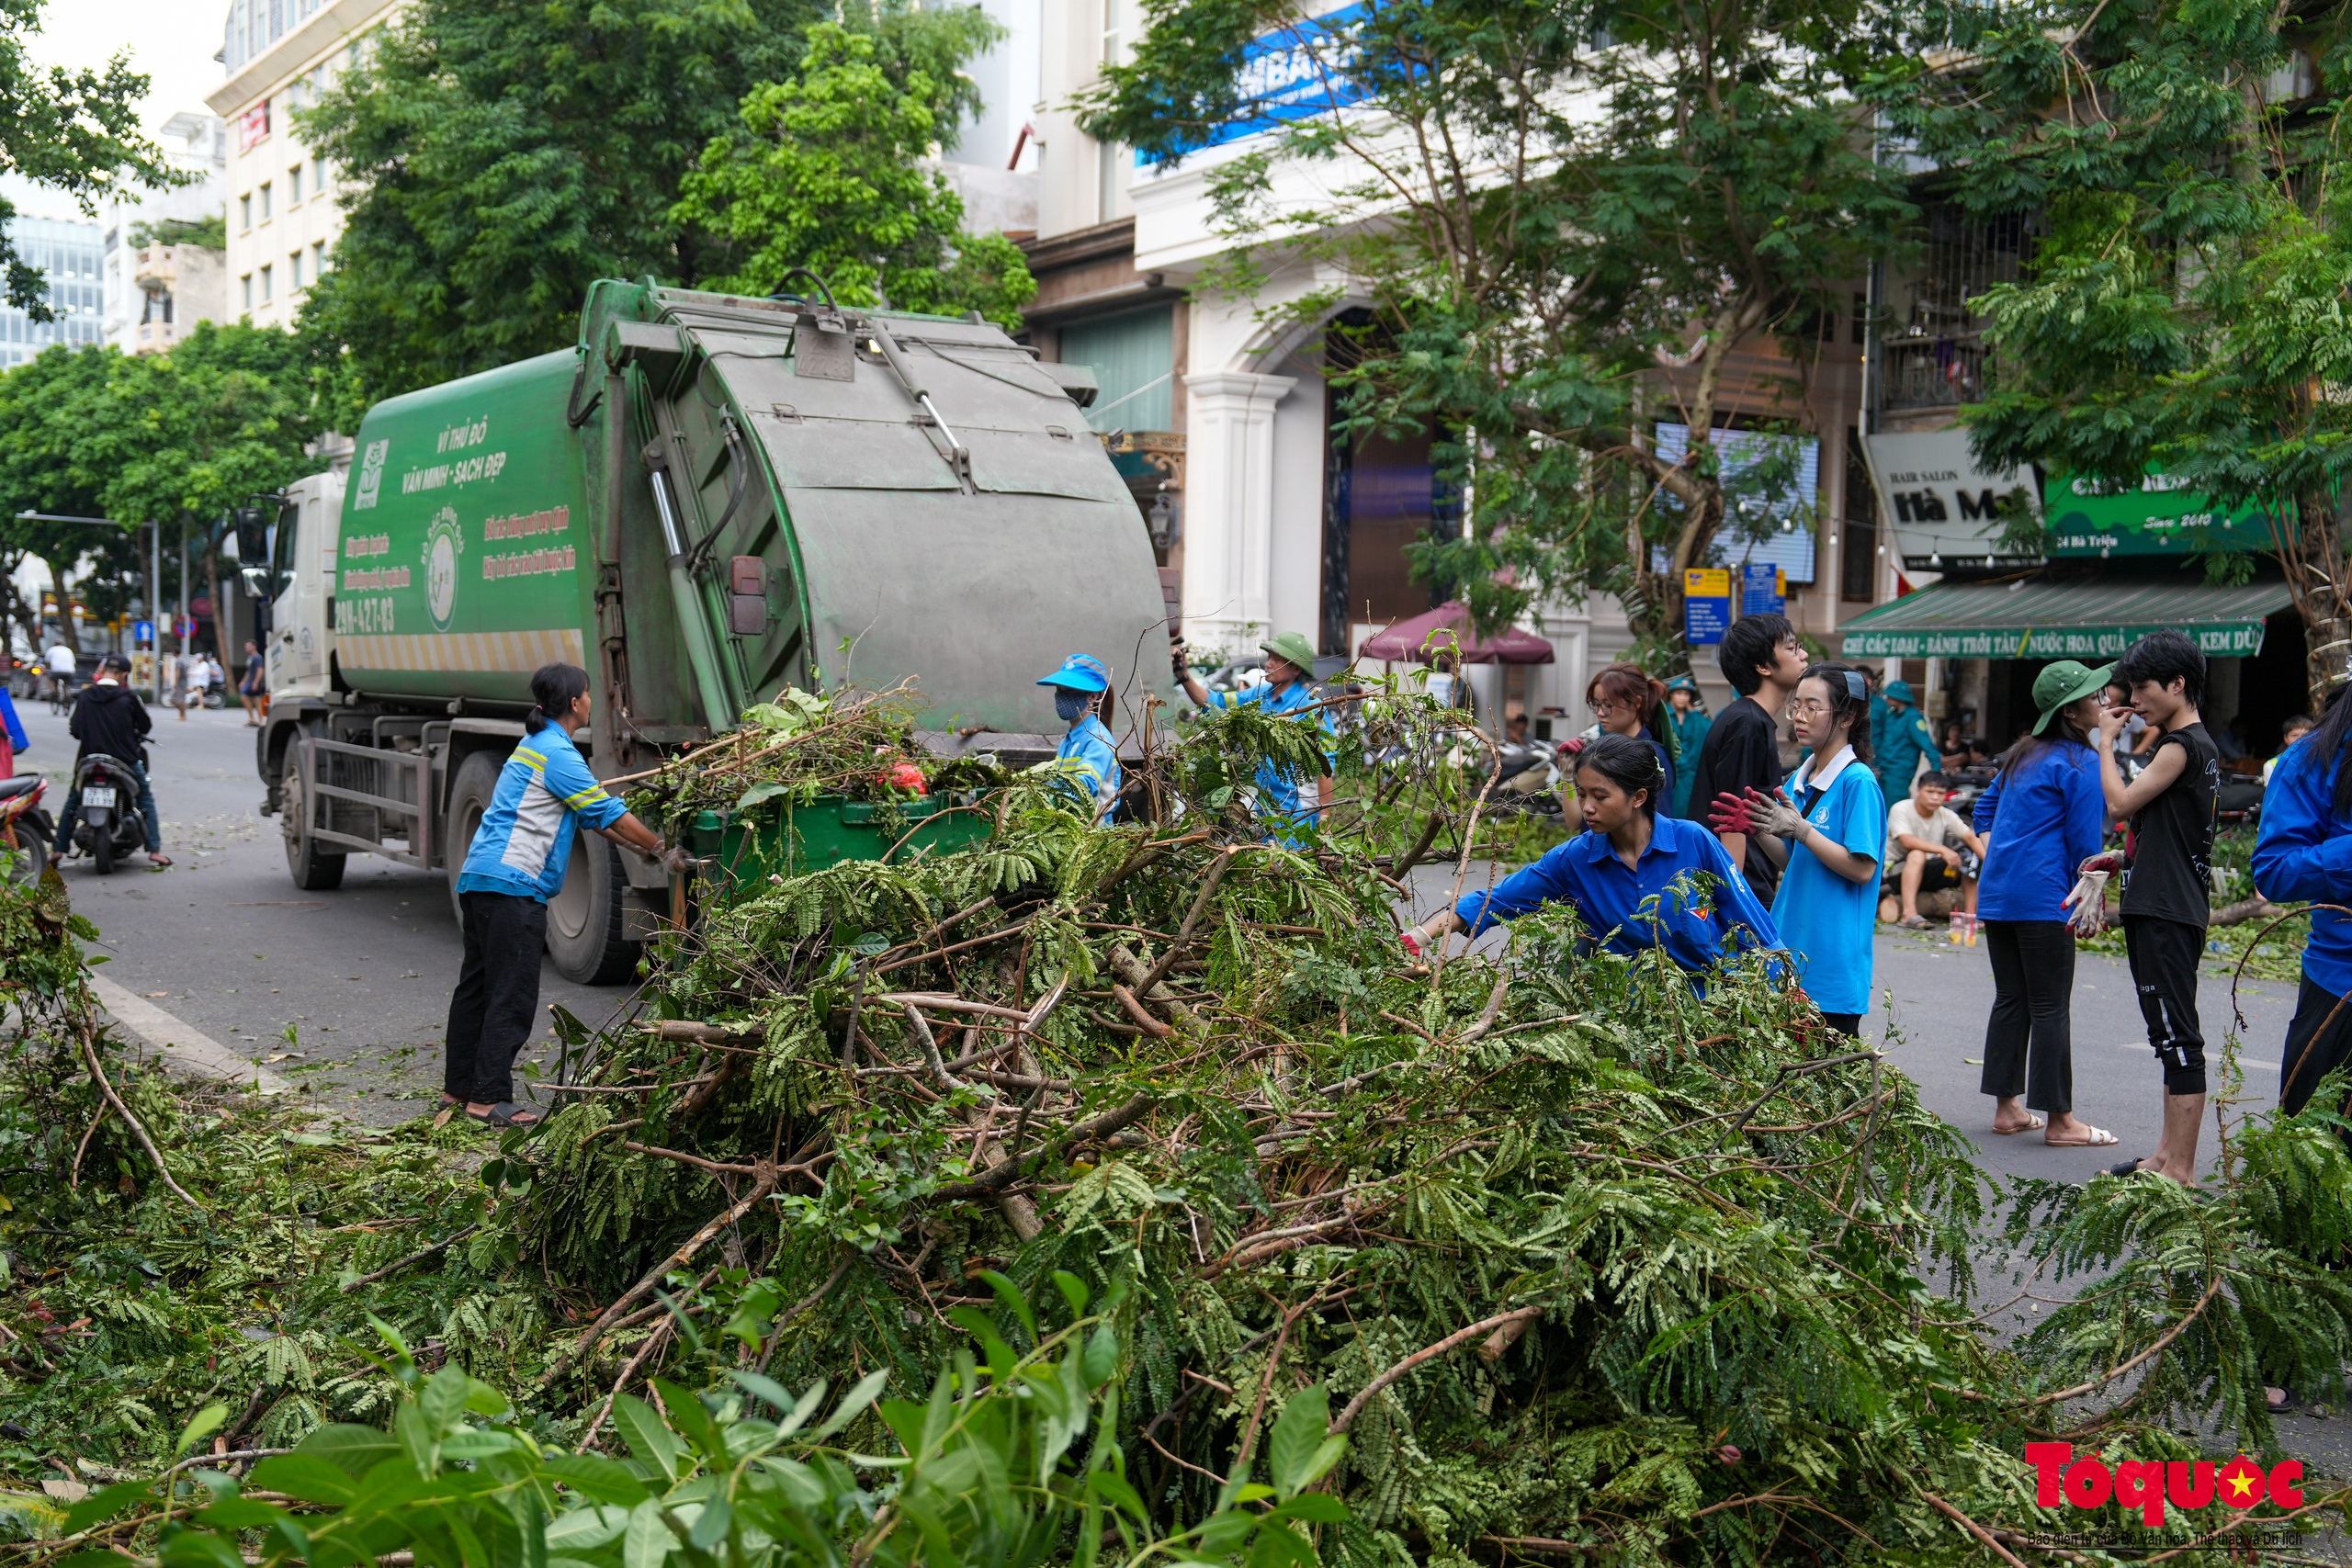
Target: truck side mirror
(253,535)
(257,582)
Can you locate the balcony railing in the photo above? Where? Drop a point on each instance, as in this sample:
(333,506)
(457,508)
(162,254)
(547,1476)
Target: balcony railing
(1931,372)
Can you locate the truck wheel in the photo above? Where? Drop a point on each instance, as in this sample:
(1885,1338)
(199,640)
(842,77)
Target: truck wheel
(584,918)
(313,869)
(469,795)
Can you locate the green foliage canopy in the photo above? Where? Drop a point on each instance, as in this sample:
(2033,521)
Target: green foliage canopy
(828,175)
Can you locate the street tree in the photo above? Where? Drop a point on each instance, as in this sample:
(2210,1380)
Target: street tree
(2184,305)
(1567,223)
(175,439)
(74,130)
(827,172)
(495,160)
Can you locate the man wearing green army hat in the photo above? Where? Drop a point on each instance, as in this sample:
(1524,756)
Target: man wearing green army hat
(1283,797)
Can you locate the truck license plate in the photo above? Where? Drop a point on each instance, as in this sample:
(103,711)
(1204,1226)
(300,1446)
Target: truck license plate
(98,794)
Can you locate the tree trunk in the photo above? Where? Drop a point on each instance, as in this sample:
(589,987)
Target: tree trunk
(212,592)
(2310,547)
(61,582)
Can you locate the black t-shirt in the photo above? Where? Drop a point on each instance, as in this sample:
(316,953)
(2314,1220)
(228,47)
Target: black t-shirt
(1742,751)
(2172,837)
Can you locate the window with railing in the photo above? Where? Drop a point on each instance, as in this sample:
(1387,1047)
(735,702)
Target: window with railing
(1931,342)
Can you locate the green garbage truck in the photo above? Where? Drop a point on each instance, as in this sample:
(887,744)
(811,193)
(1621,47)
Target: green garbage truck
(707,499)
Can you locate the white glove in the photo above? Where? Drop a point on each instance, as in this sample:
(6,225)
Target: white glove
(2088,899)
(677,862)
(1775,814)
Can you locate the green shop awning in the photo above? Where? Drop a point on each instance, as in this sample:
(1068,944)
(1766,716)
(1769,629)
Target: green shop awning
(2059,618)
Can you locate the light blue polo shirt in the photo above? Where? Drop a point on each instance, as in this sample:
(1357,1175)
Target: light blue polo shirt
(1827,921)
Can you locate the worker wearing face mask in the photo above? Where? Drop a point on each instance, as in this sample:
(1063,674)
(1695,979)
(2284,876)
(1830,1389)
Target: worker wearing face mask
(1088,756)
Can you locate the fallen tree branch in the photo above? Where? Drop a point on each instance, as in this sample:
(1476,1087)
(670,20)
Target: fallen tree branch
(1984,1536)
(1347,1418)
(139,1130)
(762,1185)
(419,1255)
(1001,1174)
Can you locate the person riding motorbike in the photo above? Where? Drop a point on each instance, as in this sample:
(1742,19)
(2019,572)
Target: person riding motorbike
(109,718)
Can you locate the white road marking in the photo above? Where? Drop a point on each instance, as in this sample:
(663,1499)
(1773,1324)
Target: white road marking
(182,1045)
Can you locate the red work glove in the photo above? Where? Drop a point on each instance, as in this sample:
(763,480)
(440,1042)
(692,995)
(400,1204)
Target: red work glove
(1729,815)
(2108,860)
(906,775)
(1411,937)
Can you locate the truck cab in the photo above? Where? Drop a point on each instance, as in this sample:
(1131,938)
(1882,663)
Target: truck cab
(303,546)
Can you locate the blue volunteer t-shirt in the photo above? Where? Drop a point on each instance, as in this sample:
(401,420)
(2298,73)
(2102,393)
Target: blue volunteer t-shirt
(1659,901)
(1826,921)
(523,845)
(1283,798)
(1090,759)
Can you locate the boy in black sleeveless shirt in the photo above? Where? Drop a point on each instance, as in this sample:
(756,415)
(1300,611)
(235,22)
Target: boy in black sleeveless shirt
(2167,889)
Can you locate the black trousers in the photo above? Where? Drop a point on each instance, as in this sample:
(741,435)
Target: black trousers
(2029,1041)
(1849,1024)
(2321,1031)
(2165,955)
(497,999)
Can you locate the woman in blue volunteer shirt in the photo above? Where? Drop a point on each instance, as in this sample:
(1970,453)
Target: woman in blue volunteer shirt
(516,863)
(1629,875)
(2043,815)
(2303,853)
(1827,826)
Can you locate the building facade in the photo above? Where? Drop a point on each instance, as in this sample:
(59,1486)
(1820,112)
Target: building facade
(1276,525)
(156,293)
(282,217)
(68,251)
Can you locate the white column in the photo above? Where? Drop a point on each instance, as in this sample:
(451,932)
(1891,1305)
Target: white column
(1228,523)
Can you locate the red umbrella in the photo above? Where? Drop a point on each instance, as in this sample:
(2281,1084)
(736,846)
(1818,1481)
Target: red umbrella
(1417,639)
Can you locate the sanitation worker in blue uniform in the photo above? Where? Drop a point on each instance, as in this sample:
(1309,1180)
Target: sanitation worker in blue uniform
(1286,800)
(514,866)
(1903,741)
(1088,757)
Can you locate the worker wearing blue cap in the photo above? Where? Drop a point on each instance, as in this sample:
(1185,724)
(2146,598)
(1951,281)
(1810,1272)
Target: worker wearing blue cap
(1905,744)
(1088,756)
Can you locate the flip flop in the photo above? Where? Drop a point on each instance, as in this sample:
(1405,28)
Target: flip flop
(506,1113)
(2033,1125)
(2100,1138)
(1918,923)
(2124,1167)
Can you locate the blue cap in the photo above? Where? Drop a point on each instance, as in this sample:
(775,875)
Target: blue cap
(1899,692)
(1080,672)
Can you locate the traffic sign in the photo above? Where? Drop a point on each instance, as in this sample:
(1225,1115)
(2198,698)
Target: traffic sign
(142,631)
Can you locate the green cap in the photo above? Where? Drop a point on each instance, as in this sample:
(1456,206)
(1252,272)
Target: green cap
(1292,648)
(2062,682)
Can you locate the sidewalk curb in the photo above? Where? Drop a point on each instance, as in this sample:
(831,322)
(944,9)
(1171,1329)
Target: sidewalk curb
(182,1046)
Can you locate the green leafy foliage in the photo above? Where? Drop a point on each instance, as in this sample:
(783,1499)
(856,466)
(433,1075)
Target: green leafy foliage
(1011,1462)
(827,173)
(1149,1195)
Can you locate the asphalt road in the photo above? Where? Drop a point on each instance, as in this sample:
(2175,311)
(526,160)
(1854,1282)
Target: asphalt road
(225,942)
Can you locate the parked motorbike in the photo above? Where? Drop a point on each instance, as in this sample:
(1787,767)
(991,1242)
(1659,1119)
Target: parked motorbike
(1530,780)
(25,828)
(109,825)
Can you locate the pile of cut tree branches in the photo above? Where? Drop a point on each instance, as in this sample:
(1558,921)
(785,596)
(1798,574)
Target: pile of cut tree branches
(1589,1258)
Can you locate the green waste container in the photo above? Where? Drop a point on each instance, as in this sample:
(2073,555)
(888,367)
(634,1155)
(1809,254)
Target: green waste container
(780,838)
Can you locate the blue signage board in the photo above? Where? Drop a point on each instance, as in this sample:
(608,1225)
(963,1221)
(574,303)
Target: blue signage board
(1762,590)
(1706,605)
(142,631)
